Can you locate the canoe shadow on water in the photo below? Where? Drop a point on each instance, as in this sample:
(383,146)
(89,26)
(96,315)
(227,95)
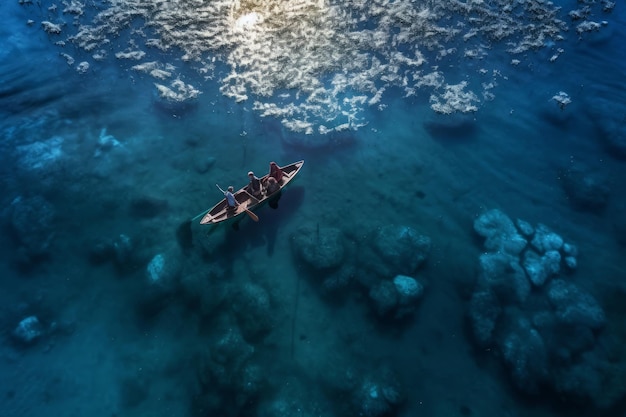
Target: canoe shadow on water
(271,217)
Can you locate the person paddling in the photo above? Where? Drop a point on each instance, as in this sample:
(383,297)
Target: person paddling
(230,197)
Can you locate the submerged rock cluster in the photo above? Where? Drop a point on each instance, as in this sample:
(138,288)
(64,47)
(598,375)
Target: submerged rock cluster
(544,327)
(383,265)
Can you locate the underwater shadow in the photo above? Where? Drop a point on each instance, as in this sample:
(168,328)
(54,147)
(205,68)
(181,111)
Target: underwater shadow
(175,109)
(245,233)
(280,210)
(452,128)
(311,144)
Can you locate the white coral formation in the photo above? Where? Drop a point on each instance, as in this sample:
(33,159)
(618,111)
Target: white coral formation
(177,91)
(132,55)
(51,28)
(83,67)
(537,251)
(454,99)
(73,7)
(562,99)
(155,69)
(68,58)
(587,26)
(315,63)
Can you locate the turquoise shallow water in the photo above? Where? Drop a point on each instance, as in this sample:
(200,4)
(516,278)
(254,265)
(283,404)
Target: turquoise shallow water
(300,314)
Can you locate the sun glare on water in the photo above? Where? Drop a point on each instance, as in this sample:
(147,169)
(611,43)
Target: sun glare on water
(317,65)
(247,21)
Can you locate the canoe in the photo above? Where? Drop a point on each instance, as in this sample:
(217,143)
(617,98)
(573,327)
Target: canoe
(220,212)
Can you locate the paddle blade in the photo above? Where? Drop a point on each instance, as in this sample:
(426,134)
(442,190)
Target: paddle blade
(252,215)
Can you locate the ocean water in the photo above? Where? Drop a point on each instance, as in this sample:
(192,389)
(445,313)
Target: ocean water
(453,246)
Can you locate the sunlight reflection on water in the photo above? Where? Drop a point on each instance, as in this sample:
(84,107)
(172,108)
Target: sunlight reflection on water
(316,65)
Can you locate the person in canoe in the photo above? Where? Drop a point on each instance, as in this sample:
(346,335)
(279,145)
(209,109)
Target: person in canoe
(271,186)
(276,172)
(230,197)
(254,187)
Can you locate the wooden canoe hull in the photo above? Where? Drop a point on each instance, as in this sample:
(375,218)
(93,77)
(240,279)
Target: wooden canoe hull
(221,212)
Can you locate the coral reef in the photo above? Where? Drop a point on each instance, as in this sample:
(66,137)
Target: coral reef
(383,265)
(32,225)
(545,328)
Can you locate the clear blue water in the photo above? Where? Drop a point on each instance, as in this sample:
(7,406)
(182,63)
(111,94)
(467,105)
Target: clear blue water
(101,173)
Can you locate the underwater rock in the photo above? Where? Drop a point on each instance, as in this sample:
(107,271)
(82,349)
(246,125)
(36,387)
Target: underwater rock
(503,274)
(581,381)
(500,232)
(525,228)
(569,250)
(546,240)
(401,248)
(378,394)
(545,335)
(385,297)
(494,223)
(540,268)
(574,306)
(484,313)
(123,249)
(204,289)
(162,273)
(570,262)
(228,375)
(319,248)
(586,190)
(534,268)
(163,270)
(608,116)
(229,357)
(28,330)
(409,293)
(551,262)
(32,223)
(251,304)
(203,165)
(593,379)
(616,142)
(339,279)
(513,244)
(564,341)
(525,354)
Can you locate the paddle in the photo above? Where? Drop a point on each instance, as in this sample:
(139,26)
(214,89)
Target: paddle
(248,212)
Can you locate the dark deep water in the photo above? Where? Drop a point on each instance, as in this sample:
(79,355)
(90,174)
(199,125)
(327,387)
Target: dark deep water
(464,264)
